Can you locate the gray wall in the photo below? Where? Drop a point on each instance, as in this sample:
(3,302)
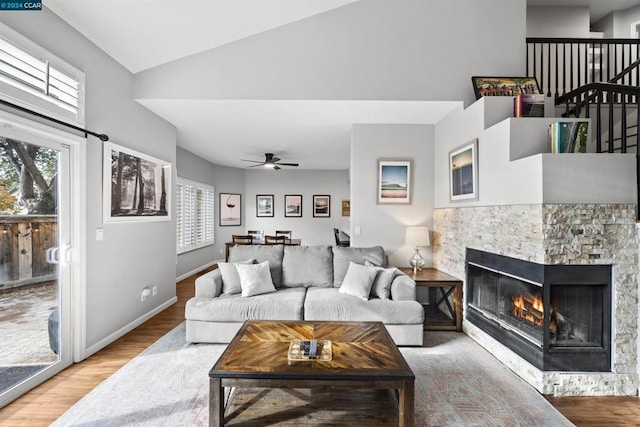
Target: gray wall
(131,256)
(385,224)
(224,180)
(373,49)
(553,21)
(312,231)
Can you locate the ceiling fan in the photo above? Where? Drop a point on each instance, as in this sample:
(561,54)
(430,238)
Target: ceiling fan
(269,162)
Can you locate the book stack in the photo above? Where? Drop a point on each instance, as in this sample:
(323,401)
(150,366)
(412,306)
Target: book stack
(528,105)
(568,137)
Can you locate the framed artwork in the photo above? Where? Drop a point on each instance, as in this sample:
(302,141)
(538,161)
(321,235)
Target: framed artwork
(321,206)
(463,172)
(504,86)
(293,205)
(394,181)
(230,209)
(137,187)
(346,208)
(264,205)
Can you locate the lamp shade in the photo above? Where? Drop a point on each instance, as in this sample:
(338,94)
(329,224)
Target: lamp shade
(417,236)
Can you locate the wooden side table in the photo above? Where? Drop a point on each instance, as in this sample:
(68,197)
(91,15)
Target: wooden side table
(447,285)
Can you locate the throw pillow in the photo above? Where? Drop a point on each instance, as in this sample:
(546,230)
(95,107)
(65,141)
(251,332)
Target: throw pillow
(255,279)
(358,280)
(230,278)
(381,287)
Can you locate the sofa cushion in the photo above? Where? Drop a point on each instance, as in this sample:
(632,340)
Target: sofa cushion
(307,266)
(342,256)
(255,279)
(230,278)
(284,304)
(329,304)
(358,280)
(261,253)
(381,287)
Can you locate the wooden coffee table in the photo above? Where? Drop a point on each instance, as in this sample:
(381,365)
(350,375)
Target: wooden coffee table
(364,357)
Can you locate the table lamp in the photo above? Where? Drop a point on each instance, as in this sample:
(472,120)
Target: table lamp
(417,237)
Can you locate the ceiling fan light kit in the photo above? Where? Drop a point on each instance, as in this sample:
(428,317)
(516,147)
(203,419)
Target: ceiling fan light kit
(269,162)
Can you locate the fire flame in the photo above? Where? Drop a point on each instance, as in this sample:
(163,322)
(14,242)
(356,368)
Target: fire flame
(529,308)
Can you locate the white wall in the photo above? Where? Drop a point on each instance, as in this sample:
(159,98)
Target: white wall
(370,49)
(312,231)
(555,21)
(385,225)
(131,256)
(224,180)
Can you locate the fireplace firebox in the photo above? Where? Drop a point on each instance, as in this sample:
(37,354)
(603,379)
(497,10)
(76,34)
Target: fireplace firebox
(557,317)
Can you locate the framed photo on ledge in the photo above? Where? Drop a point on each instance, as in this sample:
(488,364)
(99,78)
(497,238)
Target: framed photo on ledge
(321,206)
(264,205)
(394,181)
(463,172)
(293,205)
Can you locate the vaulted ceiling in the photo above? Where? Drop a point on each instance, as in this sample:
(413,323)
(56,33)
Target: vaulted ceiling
(144,35)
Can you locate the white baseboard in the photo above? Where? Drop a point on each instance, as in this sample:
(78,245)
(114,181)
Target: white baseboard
(127,328)
(197,270)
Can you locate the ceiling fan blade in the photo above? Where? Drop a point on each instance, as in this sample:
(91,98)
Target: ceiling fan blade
(275,159)
(252,161)
(256,166)
(288,164)
(276,167)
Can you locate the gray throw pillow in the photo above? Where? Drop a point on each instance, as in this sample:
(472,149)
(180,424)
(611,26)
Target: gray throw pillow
(307,266)
(381,287)
(271,253)
(230,277)
(358,280)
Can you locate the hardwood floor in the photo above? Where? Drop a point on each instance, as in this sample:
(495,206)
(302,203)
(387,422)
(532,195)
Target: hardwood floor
(45,403)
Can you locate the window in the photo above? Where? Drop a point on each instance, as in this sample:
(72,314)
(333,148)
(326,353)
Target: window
(195,221)
(36,79)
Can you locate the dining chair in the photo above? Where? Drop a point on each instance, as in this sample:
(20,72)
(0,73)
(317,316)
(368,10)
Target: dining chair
(274,240)
(285,233)
(343,243)
(257,234)
(241,239)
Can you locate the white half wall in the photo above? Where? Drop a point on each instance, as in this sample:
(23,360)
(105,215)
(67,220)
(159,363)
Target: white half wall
(312,231)
(385,225)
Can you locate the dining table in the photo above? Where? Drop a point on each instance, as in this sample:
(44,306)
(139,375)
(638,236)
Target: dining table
(287,242)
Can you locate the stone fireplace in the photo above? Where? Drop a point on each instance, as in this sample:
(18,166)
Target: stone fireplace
(552,238)
(556,317)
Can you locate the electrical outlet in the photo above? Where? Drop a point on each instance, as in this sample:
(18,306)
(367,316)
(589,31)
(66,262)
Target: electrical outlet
(154,291)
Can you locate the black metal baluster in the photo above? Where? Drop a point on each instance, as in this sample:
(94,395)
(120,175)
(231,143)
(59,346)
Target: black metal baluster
(571,68)
(610,150)
(599,123)
(623,125)
(564,65)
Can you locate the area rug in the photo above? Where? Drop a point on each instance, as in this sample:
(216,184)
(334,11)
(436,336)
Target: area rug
(458,383)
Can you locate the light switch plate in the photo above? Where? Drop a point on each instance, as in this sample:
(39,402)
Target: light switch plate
(99,234)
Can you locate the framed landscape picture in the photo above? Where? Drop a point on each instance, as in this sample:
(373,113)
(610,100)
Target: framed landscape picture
(230,209)
(394,181)
(264,205)
(137,187)
(504,86)
(463,172)
(293,205)
(321,206)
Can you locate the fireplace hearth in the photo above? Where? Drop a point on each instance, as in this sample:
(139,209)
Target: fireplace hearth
(557,317)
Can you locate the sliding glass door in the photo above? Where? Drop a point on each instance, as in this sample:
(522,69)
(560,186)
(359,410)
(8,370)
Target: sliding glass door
(35,258)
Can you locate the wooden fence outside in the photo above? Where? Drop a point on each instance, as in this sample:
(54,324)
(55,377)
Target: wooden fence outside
(24,241)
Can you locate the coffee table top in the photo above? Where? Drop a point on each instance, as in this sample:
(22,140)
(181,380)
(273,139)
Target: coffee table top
(361,351)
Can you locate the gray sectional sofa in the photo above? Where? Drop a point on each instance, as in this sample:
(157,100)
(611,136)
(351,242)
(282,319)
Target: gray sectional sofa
(307,281)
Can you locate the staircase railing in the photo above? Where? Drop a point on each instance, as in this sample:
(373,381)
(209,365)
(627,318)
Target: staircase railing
(591,98)
(564,64)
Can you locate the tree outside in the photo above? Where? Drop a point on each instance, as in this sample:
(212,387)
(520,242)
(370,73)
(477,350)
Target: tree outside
(28,178)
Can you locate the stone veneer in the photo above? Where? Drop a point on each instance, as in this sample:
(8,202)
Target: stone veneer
(554,234)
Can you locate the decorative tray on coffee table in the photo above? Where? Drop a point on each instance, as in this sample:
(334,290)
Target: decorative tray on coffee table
(304,350)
